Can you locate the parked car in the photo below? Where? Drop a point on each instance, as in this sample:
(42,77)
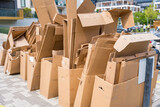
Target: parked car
(120,29)
(158,35)
(158,28)
(132,28)
(156,47)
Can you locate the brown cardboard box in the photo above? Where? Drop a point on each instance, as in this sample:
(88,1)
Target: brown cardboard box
(84,92)
(57,62)
(97,64)
(14,34)
(33,73)
(88,26)
(57,52)
(117,72)
(3,53)
(128,45)
(74,7)
(126,18)
(81,57)
(23,65)
(6,61)
(45,9)
(58,18)
(45,82)
(51,40)
(49,76)
(126,94)
(13,63)
(129,49)
(38,38)
(67,85)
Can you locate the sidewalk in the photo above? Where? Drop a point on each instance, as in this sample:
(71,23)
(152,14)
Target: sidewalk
(14,92)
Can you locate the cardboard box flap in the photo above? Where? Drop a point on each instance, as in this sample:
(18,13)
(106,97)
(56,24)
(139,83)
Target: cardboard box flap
(86,6)
(95,19)
(11,41)
(58,18)
(42,11)
(123,42)
(21,42)
(78,6)
(51,7)
(126,17)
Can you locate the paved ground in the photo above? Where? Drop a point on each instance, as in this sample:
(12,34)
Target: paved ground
(14,92)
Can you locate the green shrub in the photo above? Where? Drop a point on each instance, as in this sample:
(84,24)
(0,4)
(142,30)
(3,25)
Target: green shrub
(4,30)
(27,13)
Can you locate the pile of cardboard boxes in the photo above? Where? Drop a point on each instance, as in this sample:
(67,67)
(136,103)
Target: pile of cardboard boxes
(80,57)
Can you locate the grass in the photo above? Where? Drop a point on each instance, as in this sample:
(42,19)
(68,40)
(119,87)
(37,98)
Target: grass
(4,30)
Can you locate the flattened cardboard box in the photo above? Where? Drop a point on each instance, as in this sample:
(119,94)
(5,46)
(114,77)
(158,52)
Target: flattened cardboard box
(45,9)
(33,73)
(57,62)
(23,65)
(46,69)
(67,85)
(49,76)
(6,61)
(84,92)
(95,63)
(126,94)
(52,40)
(3,53)
(57,52)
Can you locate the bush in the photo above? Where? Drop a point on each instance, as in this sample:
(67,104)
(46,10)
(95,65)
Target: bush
(27,13)
(4,30)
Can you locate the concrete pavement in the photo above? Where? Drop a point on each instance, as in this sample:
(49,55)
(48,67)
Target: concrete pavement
(14,92)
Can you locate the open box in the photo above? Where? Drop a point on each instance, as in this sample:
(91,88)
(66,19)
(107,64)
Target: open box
(13,63)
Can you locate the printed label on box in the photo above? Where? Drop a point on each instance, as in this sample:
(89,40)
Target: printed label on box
(142,69)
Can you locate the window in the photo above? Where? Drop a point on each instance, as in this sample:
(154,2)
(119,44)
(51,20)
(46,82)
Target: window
(23,3)
(31,4)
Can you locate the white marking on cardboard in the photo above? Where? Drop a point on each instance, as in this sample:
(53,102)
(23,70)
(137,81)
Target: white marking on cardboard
(142,71)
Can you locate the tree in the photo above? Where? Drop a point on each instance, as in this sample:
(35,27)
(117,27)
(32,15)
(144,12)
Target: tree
(150,14)
(139,17)
(27,12)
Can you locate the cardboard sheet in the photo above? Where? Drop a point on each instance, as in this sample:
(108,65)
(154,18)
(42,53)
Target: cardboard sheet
(21,42)
(47,42)
(126,17)
(128,45)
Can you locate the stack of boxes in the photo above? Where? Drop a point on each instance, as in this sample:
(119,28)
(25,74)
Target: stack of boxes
(80,57)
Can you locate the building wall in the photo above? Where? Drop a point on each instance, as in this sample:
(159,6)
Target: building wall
(28,5)
(9,4)
(124,4)
(143,3)
(27,2)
